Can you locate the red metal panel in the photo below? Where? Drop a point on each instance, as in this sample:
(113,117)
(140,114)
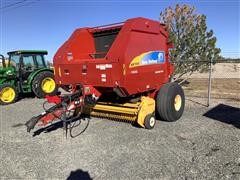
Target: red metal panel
(137,60)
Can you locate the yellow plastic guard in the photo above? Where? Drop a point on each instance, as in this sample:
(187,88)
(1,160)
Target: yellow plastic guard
(147,106)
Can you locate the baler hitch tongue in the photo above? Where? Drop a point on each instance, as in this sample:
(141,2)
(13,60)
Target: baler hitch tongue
(56,111)
(32,123)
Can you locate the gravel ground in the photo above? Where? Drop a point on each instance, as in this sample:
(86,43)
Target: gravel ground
(195,147)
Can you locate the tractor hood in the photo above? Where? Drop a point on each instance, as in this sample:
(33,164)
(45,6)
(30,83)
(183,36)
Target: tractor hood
(9,71)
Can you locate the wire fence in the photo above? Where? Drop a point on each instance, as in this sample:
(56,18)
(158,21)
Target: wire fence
(220,81)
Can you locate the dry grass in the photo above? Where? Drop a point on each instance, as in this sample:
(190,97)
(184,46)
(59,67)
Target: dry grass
(221,88)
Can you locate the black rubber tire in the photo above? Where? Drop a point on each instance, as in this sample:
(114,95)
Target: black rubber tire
(166,99)
(148,121)
(16,93)
(37,81)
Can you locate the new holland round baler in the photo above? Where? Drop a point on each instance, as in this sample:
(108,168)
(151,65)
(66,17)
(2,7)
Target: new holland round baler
(119,71)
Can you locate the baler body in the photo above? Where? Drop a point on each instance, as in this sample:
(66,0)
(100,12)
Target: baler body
(118,71)
(128,58)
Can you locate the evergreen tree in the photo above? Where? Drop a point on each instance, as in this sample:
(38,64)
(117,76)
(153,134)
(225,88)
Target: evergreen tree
(191,40)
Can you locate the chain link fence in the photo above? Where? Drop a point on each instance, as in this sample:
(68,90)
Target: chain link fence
(221,81)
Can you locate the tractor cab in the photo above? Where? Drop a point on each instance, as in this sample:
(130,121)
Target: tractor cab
(25,71)
(27,60)
(2,61)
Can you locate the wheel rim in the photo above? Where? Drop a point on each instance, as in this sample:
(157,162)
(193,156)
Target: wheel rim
(48,85)
(152,121)
(7,95)
(177,102)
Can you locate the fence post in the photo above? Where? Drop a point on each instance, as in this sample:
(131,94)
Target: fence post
(209,83)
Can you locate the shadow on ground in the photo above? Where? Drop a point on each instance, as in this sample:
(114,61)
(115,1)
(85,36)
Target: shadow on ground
(78,175)
(225,113)
(49,128)
(70,125)
(26,96)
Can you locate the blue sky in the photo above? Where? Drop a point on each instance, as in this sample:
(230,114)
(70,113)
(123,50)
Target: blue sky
(46,24)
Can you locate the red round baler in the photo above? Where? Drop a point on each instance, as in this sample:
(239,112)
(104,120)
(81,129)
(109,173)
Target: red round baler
(121,70)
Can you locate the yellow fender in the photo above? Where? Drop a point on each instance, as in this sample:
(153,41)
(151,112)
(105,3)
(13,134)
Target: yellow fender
(147,106)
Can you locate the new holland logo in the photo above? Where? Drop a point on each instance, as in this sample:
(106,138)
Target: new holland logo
(148,58)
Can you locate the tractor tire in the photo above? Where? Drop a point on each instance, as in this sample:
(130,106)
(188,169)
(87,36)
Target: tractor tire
(149,121)
(43,84)
(8,94)
(170,102)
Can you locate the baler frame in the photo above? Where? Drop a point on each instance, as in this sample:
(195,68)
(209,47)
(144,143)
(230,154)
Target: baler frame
(129,83)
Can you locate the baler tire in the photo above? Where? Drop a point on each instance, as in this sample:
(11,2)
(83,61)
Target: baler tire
(167,107)
(149,121)
(15,91)
(37,81)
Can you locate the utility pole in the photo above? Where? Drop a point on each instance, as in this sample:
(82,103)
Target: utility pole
(209,83)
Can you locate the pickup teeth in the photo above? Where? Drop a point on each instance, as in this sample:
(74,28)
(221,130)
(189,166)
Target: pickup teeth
(127,112)
(134,112)
(114,116)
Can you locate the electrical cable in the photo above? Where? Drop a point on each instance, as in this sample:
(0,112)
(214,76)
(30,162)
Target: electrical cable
(72,122)
(74,126)
(22,5)
(13,4)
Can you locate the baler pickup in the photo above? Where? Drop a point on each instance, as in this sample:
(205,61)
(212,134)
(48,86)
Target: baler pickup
(128,112)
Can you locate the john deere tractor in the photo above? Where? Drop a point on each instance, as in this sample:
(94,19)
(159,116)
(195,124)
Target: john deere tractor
(25,71)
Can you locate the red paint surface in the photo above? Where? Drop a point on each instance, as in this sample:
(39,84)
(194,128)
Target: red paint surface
(137,36)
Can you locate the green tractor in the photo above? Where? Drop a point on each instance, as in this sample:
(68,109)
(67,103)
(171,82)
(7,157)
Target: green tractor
(25,71)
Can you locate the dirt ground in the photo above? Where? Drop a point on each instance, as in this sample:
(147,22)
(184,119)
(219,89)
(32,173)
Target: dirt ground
(203,144)
(222,88)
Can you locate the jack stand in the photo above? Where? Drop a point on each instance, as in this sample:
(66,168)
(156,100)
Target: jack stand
(64,118)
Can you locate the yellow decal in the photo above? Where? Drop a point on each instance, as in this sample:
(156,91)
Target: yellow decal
(137,60)
(124,69)
(59,72)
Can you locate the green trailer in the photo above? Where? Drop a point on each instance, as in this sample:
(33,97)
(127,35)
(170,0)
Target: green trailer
(25,71)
